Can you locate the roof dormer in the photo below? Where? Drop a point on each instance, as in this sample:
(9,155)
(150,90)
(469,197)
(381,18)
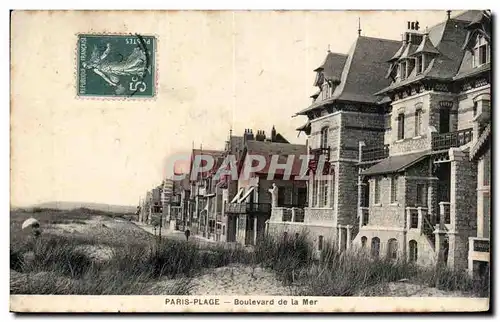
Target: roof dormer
(424,53)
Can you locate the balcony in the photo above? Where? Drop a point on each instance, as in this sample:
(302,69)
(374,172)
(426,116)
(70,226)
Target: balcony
(373,153)
(288,214)
(316,153)
(247,208)
(444,141)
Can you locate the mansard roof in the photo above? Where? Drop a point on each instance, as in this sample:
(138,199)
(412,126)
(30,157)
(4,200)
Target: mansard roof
(363,72)
(426,46)
(398,54)
(332,66)
(444,41)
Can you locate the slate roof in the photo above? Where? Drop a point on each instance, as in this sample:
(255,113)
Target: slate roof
(398,53)
(445,40)
(268,149)
(395,163)
(216,154)
(426,46)
(363,72)
(332,66)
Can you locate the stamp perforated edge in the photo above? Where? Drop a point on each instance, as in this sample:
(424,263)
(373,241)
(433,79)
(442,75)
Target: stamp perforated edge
(115,98)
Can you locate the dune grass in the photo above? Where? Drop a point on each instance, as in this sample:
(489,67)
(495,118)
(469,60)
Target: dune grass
(54,264)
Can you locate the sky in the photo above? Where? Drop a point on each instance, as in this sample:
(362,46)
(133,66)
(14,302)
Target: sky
(215,71)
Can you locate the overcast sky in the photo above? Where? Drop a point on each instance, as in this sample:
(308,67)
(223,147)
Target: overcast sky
(215,71)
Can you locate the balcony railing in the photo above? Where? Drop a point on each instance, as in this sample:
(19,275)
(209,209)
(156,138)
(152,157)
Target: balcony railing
(372,153)
(287,214)
(320,151)
(455,139)
(298,214)
(244,208)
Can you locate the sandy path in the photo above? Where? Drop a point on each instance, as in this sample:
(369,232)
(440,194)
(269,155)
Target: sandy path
(238,279)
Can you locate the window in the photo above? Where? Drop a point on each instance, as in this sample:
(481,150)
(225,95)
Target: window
(377,191)
(332,188)
(420,64)
(363,241)
(314,191)
(281,197)
(375,250)
(320,243)
(410,65)
(413,251)
(325,91)
(323,192)
(403,70)
(481,52)
(474,109)
(421,194)
(414,220)
(365,217)
(223,229)
(394,189)
(324,138)
(392,249)
(418,122)
(401,126)
(487,169)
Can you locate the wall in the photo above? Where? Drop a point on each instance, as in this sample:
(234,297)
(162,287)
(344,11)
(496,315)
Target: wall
(332,121)
(466,105)
(462,208)
(347,193)
(430,102)
(387,214)
(311,231)
(410,143)
(356,127)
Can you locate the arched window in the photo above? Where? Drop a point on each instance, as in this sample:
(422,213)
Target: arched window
(324,137)
(392,249)
(413,251)
(363,241)
(375,250)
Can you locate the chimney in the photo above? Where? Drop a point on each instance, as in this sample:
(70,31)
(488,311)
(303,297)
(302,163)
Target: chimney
(273,134)
(448,13)
(248,136)
(261,135)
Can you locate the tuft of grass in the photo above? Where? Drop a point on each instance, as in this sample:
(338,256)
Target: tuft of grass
(287,256)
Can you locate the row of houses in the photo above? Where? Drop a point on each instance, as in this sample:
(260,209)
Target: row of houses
(405,129)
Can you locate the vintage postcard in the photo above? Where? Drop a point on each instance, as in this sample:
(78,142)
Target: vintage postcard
(250,161)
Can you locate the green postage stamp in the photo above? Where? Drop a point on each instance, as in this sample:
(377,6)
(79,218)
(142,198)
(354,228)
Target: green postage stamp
(116,65)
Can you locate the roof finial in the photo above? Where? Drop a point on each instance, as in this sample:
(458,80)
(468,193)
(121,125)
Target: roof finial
(359,26)
(448,12)
(328,50)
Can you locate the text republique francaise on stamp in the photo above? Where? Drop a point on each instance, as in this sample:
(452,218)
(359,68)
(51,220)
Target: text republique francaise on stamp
(116,65)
